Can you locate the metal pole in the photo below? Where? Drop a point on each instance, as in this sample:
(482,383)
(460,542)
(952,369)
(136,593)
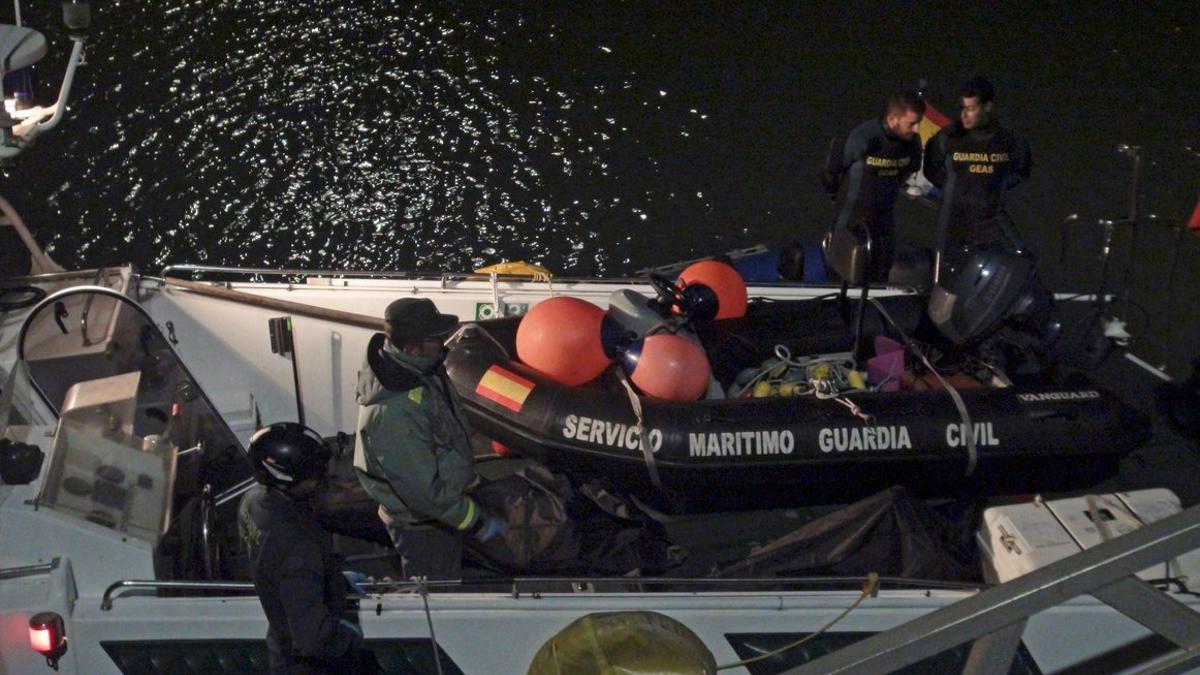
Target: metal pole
(1134,152)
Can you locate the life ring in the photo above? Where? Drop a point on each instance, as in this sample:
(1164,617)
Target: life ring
(20,297)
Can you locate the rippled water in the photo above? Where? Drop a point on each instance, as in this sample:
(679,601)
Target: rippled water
(593,137)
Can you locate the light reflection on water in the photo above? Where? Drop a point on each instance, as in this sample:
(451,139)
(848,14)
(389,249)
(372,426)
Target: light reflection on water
(593,137)
(326,134)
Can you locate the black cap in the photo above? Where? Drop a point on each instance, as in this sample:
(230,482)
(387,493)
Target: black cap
(413,320)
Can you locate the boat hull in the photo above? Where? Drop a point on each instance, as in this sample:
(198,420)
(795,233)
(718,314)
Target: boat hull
(759,451)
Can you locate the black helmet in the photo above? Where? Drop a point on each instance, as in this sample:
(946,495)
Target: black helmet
(286,453)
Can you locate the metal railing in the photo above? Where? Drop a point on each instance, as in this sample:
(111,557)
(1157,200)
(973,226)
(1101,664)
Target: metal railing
(534,586)
(28,570)
(175,270)
(117,587)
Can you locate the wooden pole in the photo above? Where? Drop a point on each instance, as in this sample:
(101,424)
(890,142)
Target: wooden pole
(302,309)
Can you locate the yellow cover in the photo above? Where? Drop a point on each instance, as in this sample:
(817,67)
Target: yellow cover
(518,268)
(623,643)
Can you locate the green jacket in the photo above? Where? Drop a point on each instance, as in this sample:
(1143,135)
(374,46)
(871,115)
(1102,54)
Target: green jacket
(412,449)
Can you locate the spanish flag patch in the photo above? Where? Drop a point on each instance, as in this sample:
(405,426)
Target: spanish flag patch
(504,387)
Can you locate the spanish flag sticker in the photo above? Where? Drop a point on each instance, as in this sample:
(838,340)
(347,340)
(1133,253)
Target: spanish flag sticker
(504,387)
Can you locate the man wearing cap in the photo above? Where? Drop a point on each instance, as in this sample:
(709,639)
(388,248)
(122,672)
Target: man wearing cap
(412,449)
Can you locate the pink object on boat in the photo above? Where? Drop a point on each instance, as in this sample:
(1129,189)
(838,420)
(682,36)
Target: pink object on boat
(887,364)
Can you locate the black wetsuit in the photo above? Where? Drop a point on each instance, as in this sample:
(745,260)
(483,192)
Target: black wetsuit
(299,581)
(866,172)
(974,170)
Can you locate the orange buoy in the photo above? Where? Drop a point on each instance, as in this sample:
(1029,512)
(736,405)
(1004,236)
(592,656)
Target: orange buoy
(560,338)
(724,281)
(668,367)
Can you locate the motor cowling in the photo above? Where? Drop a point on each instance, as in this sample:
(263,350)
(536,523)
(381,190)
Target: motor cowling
(994,287)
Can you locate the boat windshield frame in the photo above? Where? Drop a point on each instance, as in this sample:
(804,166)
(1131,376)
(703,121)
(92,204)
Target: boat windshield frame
(92,335)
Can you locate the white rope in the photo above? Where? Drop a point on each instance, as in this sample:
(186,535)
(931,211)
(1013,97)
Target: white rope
(437,657)
(867,418)
(635,402)
(497,312)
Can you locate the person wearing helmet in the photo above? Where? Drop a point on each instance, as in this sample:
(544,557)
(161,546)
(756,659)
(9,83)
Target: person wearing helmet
(865,172)
(297,575)
(412,447)
(975,161)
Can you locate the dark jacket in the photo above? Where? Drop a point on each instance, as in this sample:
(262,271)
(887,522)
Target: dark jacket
(299,581)
(412,449)
(974,169)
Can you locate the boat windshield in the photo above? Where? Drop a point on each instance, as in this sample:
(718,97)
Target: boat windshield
(138,441)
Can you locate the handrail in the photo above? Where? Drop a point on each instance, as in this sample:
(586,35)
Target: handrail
(87,309)
(169,272)
(996,617)
(110,593)
(114,590)
(267,271)
(28,570)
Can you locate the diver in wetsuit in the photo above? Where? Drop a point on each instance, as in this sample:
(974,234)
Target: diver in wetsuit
(865,172)
(975,161)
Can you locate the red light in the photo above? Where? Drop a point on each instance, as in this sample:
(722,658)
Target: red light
(48,636)
(41,639)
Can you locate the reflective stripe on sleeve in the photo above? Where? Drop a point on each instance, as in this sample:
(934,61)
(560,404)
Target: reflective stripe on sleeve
(470,517)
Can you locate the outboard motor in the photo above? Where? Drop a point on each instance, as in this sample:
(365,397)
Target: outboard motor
(995,287)
(636,313)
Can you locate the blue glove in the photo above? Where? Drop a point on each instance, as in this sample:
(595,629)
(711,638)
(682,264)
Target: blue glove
(490,526)
(354,579)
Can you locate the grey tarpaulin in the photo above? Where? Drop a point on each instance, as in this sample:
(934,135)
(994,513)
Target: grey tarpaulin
(891,533)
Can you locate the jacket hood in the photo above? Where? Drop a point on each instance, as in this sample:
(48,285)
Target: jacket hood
(385,372)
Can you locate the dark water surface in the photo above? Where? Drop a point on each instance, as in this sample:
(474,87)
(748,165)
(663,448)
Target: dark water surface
(594,137)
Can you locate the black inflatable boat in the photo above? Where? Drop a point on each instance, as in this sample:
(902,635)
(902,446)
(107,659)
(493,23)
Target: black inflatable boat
(1051,432)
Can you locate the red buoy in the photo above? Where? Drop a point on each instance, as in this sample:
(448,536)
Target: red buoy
(560,338)
(668,367)
(724,281)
